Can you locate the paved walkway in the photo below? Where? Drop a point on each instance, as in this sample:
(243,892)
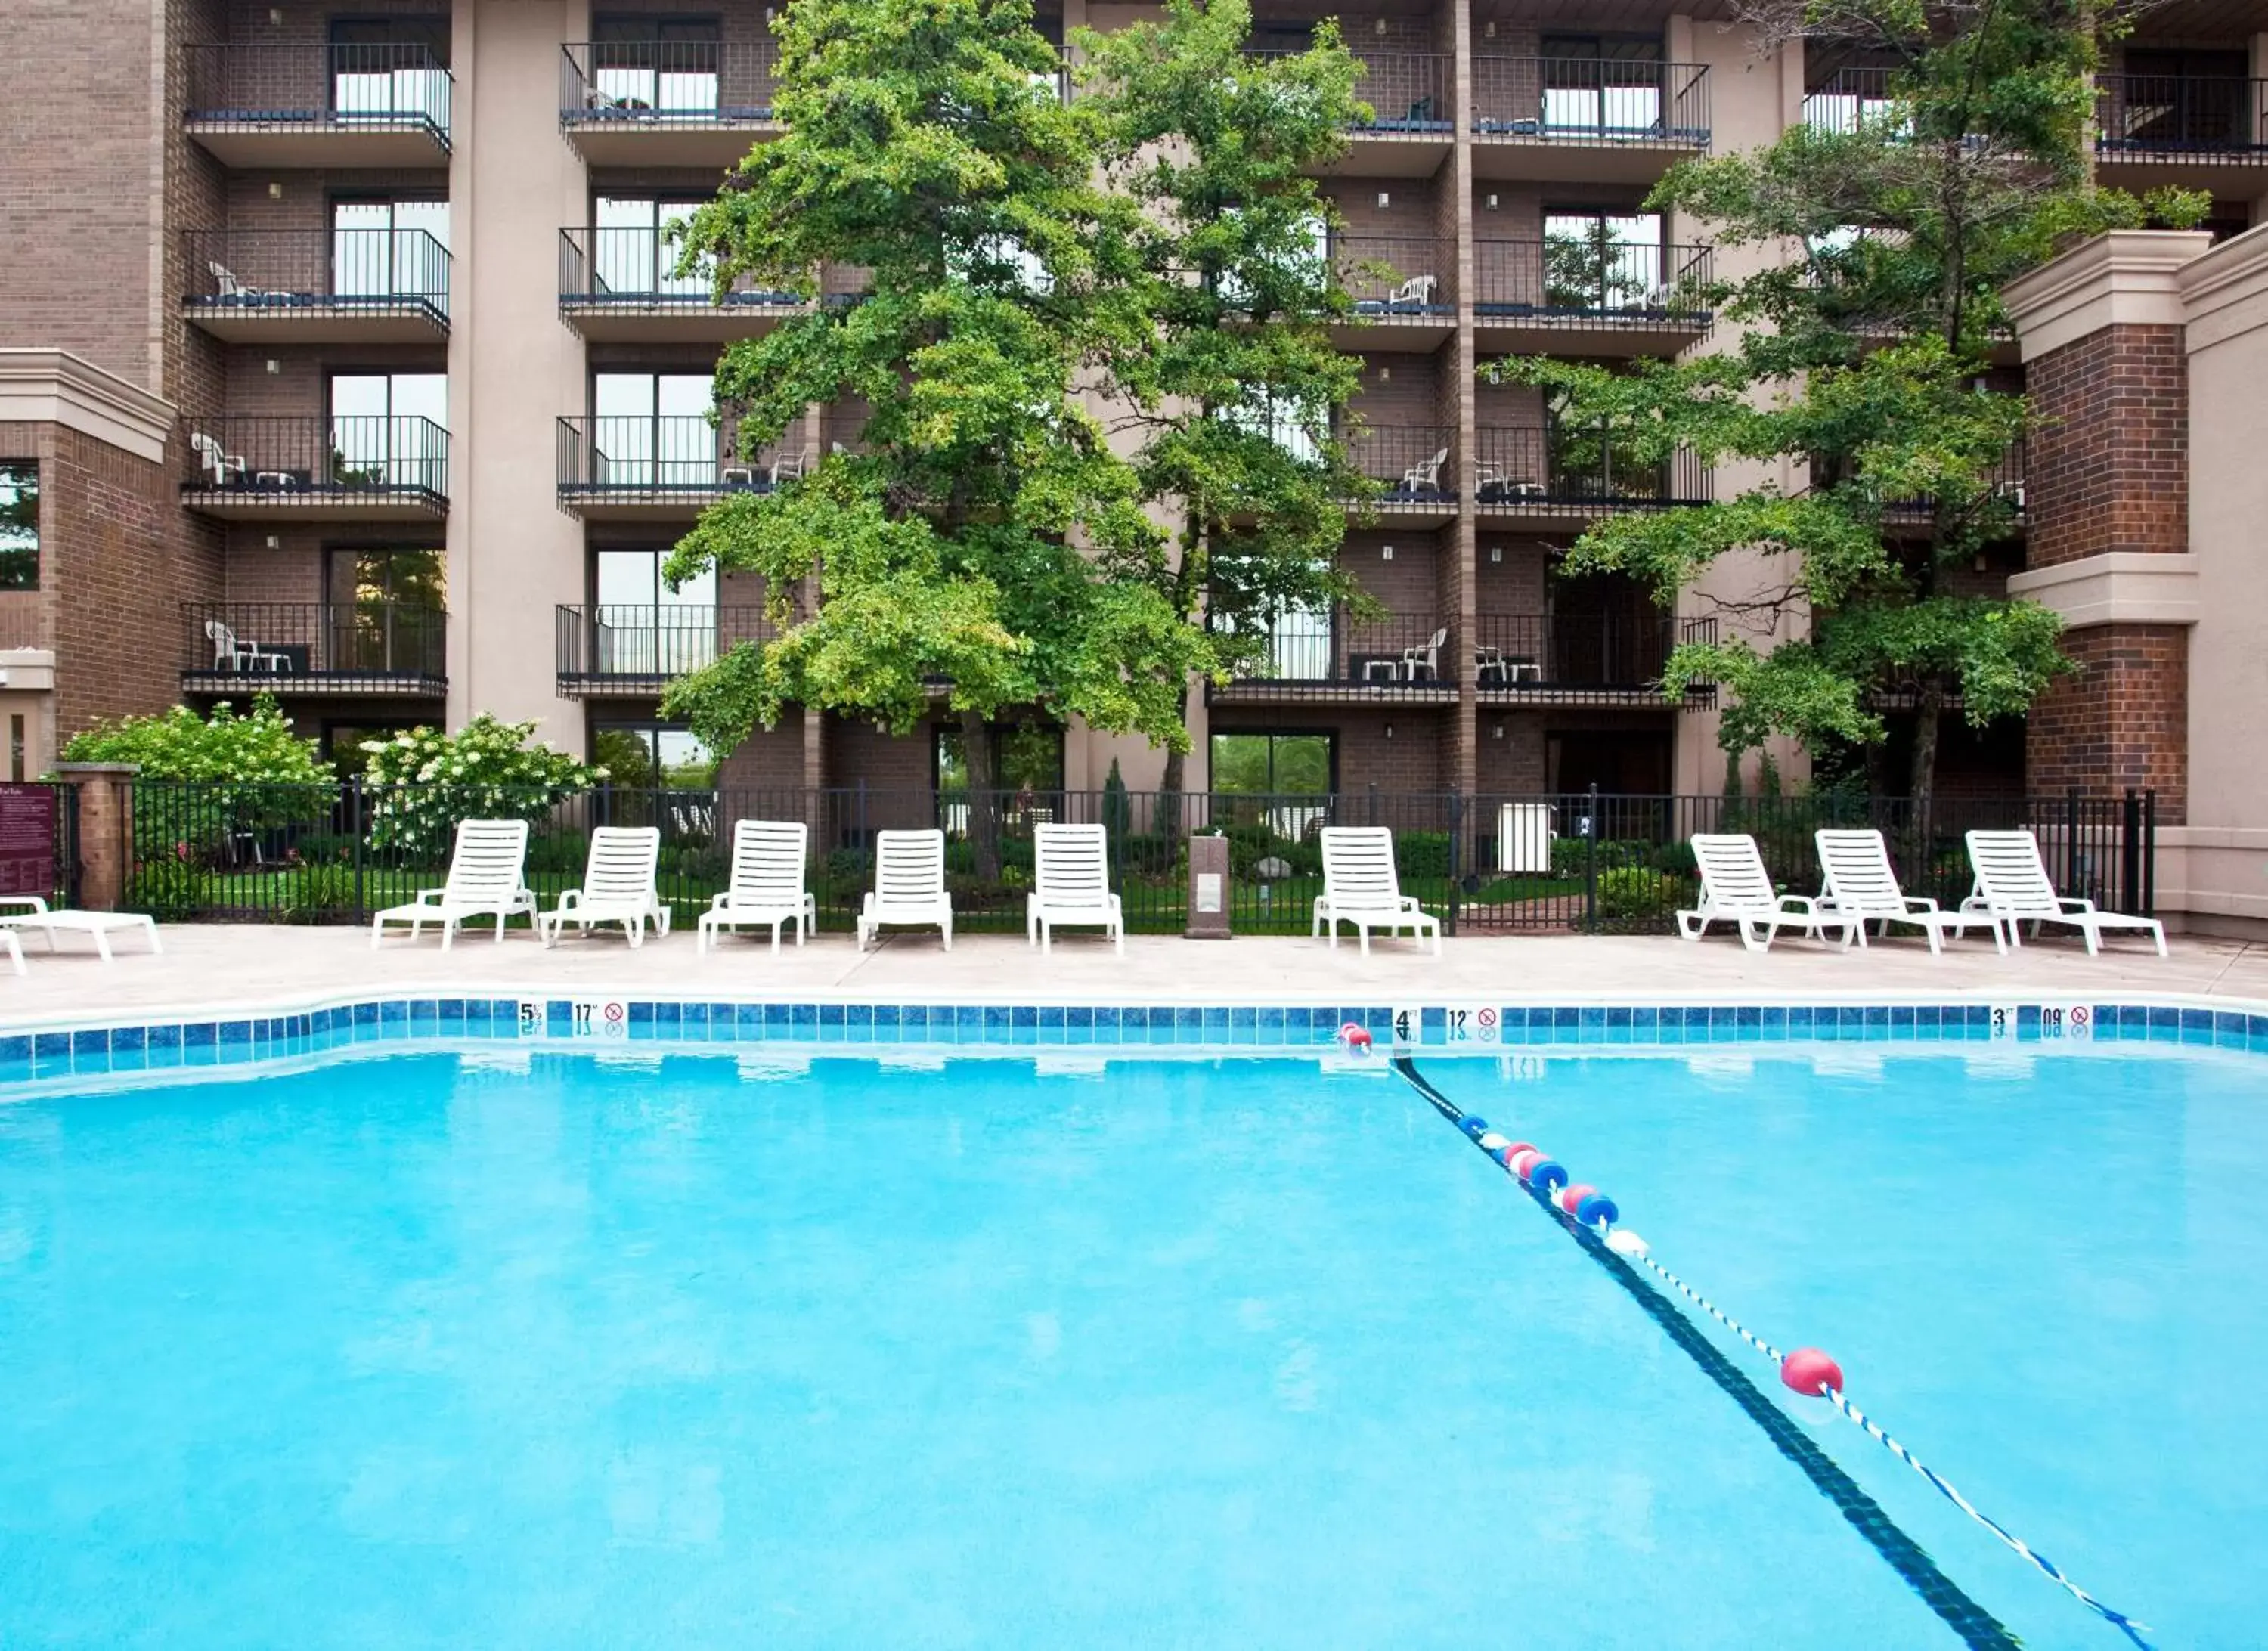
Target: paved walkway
(208,965)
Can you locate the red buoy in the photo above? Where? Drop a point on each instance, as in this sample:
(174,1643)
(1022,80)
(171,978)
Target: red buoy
(1353,1036)
(1811,1372)
(1571,1198)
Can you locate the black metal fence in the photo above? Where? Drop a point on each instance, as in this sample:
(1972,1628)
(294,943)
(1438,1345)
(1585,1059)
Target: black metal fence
(1577,282)
(603,266)
(383,85)
(284,272)
(1411,93)
(377,645)
(402,458)
(681,82)
(625,647)
(1597,99)
(1484,864)
(1397,277)
(2183,115)
(631,456)
(1536,469)
(1415,463)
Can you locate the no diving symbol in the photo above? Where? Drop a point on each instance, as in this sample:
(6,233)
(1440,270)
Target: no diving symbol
(1485,1024)
(615,1011)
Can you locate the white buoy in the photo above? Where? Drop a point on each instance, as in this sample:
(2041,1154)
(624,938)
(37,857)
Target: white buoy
(1623,1242)
(1492,1142)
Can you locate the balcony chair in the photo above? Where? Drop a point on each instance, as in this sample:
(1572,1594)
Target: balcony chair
(233,653)
(1071,885)
(909,886)
(1423,478)
(620,885)
(1425,657)
(1360,886)
(1413,296)
(766,885)
(230,291)
(1493,485)
(1736,889)
(220,468)
(1858,881)
(487,876)
(1507,668)
(2012,887)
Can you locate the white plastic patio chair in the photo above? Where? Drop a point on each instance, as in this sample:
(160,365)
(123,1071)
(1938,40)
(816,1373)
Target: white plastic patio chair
(229,290)
(233,652)
(1071,878)
(1427,478)
(221,466)
(1735,889)
(100,925)
(621,884)
(1859,882)
(766,885)
(909,885)
(1427,657)
(2012,887)
(1360,886)
(487,870)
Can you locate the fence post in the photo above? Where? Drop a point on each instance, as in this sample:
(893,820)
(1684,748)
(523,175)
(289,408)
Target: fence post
(2149,853)
(354,819)
(1373,804)
(2130,855)
(1456,843)
(2070,843)
(105,829)
(1591,860)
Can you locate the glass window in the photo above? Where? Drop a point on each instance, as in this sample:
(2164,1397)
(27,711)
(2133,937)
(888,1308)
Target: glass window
(652,756)
(385,248)
(1025,759)
(390,69)
(19,525)
(1273,765)
(631,247)
(668,64)
(1602,86)
(1597,260)
(386,428)
(642,628)
(384,613)
(652,429)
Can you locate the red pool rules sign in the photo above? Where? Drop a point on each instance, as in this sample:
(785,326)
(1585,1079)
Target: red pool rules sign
(27,840)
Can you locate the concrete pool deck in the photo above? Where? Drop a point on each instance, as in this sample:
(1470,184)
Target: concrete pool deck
(254,965)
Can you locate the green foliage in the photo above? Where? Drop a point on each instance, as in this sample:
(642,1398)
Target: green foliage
(1640,899)
(168,884)
(1421,854)
(320,891)
(423,782)
(1865,360)
(259,747)
(1117,807)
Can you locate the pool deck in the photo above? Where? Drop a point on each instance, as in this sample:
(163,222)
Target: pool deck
(206,965)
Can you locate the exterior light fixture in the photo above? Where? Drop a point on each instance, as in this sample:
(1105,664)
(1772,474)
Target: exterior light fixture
(1386,553)
(1384,200)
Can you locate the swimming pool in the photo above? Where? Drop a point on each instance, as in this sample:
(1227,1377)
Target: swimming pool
(525,1347)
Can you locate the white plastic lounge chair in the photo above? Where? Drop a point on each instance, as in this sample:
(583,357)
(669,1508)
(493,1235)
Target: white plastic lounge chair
(909,885)
(621,884)
(1361,887)
(1859,882)
(2012,887)
(485,878)
(1735,889)
(767,883)
(101,925)
(1071,885)
(15,952)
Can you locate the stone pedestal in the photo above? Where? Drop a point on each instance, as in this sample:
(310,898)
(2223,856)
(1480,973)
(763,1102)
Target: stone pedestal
(105,831)
(1208,906)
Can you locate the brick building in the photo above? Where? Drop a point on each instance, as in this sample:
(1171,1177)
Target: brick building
(398,405)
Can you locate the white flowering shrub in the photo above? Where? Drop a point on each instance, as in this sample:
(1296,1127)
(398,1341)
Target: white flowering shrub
(422,783)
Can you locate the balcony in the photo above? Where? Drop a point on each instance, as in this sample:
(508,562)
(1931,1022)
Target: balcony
(1570,298)
(1612,661)
(1910,515)
(298,649)
(1585,120)
(1416,464)
(616,286)
(633,651)
(1413,115)
(306,104)
(348,287)
(667,103)
(357,468)
(1318,657)
(1549,475)
(639,469)
(2158,131)
(1404,290)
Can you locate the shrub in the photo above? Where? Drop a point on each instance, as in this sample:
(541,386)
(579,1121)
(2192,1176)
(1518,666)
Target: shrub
(1421,854)
(169,885)
(321,891)
(1569,858)
(208,779)
(425,781)
(1639,900)
(1117,807)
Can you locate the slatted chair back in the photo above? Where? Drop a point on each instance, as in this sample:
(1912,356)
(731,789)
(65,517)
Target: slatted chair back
(909,867)
(1733,873)
(1358,873)
(622,867)
(768,858)
(1858,875)
(487,864)
(1072,866)
(2011,875)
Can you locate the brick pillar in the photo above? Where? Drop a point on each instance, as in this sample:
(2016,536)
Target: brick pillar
(105,829)
(2106,495)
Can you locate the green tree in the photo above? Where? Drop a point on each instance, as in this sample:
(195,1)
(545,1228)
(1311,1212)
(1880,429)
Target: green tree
(258,748)
(1229,390)
(1865,359)
(422,782)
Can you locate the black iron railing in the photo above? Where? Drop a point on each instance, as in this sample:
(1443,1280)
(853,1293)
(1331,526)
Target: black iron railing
(602,266)
(384,86)
(2004,481)
(1518,652)
(288,272)
(630,456)
(400,459)
(1850,98)
(301,645)
(1568,280)
(1410,93)
(1329,649)
(668,83)
(1415,463)
(1591,100)
(1486,863)
(618,646)
(1397,277)
(1540,468)
(2225,117)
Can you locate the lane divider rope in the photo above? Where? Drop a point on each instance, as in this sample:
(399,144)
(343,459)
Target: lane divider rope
(1806,1370)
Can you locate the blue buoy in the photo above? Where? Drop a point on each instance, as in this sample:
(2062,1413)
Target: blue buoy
(1472,1126)
(1596,1208)
(1547,1175)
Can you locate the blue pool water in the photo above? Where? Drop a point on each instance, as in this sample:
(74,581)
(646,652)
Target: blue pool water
(438,1351)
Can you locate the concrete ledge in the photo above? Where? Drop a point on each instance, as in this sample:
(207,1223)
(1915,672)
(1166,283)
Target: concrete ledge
(2124,278)
(2118,587)
(2213,875)
(30,670)
(42,386)
(2225,293)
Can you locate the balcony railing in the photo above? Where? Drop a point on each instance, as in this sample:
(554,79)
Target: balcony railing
(1591,100)
(1517,653)
(283,273)
(1410,93)
(1538,469)
(1327,649)
(384,86)
(2005,480)
(1849,99)
(2182,115)
(1414,461)
(1576,283)
(289,459)
(631,456)
(1397,278)
(668,83)
(601,267)
(314,647)
(631,648)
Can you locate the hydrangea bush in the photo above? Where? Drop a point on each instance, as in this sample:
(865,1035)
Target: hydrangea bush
(422,783)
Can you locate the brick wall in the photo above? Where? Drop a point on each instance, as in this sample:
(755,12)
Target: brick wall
(1407,585)
(1511,761)
(1518,583)
(2122,722)
(119,576)
(2108,460)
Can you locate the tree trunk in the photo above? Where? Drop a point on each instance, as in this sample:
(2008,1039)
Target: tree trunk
(983,795)
(1169,823)
(1929,711)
